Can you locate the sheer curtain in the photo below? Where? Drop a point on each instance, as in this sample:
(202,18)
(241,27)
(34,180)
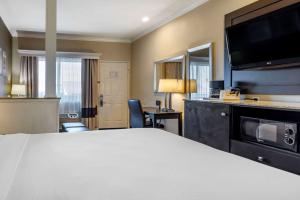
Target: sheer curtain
(200,71)
(41,76)
(68,85)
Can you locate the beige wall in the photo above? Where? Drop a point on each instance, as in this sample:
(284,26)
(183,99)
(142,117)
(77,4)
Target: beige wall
(202,25)
(111,51)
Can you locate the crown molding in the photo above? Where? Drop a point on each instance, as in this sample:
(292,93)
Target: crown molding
(85,55)
(171,17)
(32,34)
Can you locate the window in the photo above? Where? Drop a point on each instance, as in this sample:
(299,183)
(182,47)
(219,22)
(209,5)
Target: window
(200,71)
(68,83)
(41,76)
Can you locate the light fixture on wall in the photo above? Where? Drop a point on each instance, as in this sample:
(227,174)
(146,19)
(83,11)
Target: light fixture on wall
(145,19)
(18,90)
(170,86)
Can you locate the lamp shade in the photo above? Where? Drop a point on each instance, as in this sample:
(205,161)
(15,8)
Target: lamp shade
(171,85)
(18,89)
(192,86)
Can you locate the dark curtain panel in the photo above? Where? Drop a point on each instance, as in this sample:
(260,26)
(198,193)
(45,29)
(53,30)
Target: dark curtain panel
(29,75)
(89,92)
(173,70)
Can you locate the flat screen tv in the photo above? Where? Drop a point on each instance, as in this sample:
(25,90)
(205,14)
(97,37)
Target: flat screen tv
(266,41)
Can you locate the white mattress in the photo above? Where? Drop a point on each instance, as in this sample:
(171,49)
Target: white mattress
(136,164)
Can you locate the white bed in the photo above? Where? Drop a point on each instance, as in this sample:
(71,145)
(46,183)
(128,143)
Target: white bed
(135,164)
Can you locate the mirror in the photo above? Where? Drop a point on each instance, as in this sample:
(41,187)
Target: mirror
(199,71)
(171,68)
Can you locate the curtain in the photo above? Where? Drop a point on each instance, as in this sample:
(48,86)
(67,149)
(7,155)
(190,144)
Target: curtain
(29,75)
(173,70)
(161,71)
(200,71)
(68,84)
(89,92)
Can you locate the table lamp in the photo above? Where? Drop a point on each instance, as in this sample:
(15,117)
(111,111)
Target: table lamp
(169,86)
(191,86)
(18,90)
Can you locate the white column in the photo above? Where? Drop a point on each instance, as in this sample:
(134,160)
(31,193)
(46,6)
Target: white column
(51,11)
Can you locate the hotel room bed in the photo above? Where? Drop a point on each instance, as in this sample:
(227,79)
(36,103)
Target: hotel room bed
(132,164)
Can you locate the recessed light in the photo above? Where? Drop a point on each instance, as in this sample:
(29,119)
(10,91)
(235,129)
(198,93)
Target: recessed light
(145,19)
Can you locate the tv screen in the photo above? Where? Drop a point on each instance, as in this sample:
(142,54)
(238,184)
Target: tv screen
(268,40)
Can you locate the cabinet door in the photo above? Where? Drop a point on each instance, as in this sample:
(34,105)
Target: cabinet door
(208,123)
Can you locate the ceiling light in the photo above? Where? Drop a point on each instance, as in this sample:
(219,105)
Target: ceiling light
(145,19)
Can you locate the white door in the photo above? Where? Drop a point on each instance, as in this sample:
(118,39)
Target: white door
(113,95)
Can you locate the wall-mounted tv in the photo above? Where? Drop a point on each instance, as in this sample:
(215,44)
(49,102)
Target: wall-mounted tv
(268,41)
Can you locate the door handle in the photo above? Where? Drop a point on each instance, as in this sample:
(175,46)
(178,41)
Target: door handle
(101,100)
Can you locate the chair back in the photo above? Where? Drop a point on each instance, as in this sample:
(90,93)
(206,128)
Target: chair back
(137,118)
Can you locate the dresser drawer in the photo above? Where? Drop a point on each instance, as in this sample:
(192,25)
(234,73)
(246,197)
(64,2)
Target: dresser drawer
(287,161)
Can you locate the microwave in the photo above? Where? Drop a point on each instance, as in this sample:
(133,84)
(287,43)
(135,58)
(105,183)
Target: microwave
(277,134)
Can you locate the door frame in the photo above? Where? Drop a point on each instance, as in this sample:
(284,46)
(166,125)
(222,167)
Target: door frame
(99,88)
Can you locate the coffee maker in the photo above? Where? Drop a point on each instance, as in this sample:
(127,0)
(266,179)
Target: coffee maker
(215,88)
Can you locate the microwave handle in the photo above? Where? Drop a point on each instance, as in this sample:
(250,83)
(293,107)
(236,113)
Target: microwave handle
(257,134)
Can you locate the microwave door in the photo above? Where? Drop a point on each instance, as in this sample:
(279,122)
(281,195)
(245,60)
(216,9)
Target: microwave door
(249,128)
(267,133)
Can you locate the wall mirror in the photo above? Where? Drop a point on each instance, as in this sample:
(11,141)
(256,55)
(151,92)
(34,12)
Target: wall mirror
(199,71)
(171,68)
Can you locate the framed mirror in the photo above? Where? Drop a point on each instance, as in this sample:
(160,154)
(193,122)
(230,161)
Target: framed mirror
(171,68)
(200,71)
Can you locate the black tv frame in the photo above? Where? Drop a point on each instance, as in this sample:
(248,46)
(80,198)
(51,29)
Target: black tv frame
(266,64)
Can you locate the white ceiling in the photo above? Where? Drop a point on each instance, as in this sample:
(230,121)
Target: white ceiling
(106,19)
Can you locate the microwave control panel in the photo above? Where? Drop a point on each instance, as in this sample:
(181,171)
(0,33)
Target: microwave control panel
(290,134)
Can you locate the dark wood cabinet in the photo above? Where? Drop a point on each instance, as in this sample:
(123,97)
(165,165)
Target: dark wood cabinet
(217,124)
(281,159)
(207,123)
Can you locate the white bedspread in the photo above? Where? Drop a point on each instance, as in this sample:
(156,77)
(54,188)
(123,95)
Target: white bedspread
(136,164)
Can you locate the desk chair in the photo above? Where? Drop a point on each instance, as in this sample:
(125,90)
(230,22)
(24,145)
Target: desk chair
(137,115)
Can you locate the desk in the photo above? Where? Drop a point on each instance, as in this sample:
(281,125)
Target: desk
(156,114)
